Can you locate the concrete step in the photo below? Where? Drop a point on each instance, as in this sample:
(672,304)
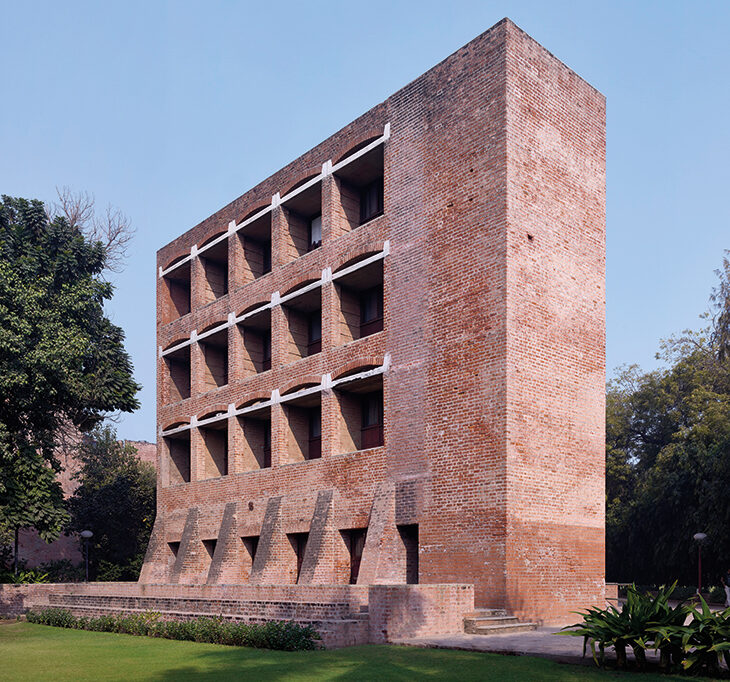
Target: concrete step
(485,613)
(491,620)
(501,628)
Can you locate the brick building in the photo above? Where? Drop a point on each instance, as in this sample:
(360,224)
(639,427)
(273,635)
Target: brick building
(384,364)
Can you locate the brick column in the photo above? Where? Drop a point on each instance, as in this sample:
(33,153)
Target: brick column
(197,459)
(279,337)
(279,237)
(238,273)
(197,284)
(197,370)
(279,436)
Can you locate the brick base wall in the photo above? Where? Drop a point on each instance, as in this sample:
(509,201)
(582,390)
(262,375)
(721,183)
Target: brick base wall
(344,615)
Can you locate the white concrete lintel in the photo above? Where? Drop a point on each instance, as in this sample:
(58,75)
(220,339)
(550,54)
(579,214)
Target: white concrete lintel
(360,264)
(182,261)
(214,330)
(310,183)
(299,292)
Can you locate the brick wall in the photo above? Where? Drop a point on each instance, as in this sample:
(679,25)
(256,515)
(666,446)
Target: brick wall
(493,277)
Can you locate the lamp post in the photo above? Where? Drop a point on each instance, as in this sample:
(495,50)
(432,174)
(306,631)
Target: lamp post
(699,539)
(87,535)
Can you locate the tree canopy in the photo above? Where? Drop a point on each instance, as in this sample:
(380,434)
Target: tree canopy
(116,501)
(668,456)
(62,362)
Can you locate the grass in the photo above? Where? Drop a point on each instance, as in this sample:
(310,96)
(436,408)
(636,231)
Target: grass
(37,652)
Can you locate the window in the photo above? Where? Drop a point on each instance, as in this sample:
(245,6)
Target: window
(298,542)
(256,334)
(371,200)
(266,350)
(372,420)
(251,544)
(304,433)
(315,433)
(315,232)
(175,298)
(315,333)
(303,315)
(254,451)
(215,356)
(302,214)
(214,439)
(371,311)
(358,191)
(255,242)
(215,270)
(409,537)
(355,542)
(361,302)
(178,458)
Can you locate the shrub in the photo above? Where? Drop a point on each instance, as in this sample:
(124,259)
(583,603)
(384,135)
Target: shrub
(707,639)
(24,577)
(632,626)
(281,635)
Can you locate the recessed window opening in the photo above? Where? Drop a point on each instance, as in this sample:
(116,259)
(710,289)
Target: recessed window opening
(409,538)
(214,438)
(315,233)
(176,293)
(215,270)
(209,546)
(304,421)
(304,325)
(255,240)
(178,458)
(354,539)
(361,414)
(178,374)
(298,543)
(215,355)
(256,334)
(361,302)
(250,546)
(360,185)
(303,217)
(174,549)
(256,447)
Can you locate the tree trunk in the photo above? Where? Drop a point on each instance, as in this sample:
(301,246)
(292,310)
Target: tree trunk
(620,648)
(640,656)
(15,556)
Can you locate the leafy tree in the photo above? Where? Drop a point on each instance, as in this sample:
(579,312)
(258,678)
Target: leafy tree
(116,501)
(668,457)
(33,498)
(62,362)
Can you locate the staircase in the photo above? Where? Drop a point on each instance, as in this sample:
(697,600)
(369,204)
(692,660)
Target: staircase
(494,622)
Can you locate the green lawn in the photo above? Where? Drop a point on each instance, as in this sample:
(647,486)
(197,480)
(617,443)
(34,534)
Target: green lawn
(38,652)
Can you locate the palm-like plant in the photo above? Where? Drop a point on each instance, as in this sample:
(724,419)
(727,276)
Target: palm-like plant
(707,639)
(637,624)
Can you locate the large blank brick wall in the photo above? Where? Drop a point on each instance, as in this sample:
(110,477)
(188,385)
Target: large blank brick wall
(494,180)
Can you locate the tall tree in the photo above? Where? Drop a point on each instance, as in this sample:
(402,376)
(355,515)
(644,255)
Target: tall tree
(62,362)
(668,456)
(116,501)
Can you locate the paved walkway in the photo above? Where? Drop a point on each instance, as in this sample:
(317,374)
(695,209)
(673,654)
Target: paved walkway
(542,643)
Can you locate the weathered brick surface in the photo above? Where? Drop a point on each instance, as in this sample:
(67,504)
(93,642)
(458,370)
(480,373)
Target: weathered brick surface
(494,181)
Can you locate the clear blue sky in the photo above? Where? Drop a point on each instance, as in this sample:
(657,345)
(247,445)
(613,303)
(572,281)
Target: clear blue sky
(169,110)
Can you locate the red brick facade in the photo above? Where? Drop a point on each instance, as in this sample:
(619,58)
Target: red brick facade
(473,199)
